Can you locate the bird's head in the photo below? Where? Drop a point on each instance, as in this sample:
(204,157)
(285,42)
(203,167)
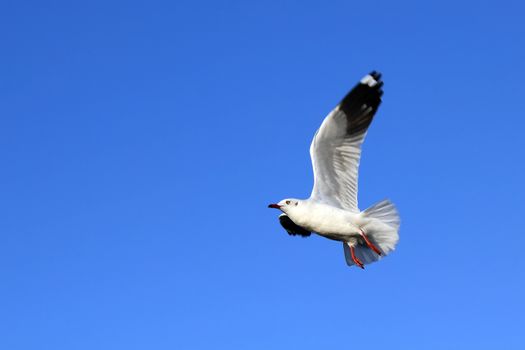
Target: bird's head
(286,205)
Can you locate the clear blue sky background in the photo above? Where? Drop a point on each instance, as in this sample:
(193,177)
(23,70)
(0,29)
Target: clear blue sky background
(142,141)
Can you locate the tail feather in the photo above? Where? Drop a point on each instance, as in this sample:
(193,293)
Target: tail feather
(381,226)
(385,211)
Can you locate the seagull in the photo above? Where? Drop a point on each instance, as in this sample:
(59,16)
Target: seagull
(331,211)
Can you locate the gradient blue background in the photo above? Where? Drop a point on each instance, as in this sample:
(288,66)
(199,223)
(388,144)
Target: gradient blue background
(142,141)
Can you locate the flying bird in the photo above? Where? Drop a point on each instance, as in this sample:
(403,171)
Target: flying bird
(332,211)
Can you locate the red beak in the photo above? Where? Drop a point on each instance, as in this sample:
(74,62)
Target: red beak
(275,206)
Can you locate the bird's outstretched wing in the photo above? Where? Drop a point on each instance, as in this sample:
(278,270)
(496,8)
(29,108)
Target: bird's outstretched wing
(336,147)
(291,227)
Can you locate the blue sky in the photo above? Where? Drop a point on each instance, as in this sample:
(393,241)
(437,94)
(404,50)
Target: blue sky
(142,141)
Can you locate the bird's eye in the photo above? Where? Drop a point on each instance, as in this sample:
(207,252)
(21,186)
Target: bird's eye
(287,202)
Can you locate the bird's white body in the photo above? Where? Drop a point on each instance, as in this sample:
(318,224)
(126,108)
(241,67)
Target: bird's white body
(326,220)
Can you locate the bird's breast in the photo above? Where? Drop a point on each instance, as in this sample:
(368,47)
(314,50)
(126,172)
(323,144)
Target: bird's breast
(327,220)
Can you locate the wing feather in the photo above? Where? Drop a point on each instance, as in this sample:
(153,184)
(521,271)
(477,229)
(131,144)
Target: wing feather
(292,228)
(336,147)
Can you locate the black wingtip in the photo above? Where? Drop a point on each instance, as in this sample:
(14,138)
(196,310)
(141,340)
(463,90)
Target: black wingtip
(372,81)
(375,74)
(361,103)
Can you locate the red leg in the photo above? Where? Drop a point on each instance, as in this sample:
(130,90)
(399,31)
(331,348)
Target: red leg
(355,259)
(370,244)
